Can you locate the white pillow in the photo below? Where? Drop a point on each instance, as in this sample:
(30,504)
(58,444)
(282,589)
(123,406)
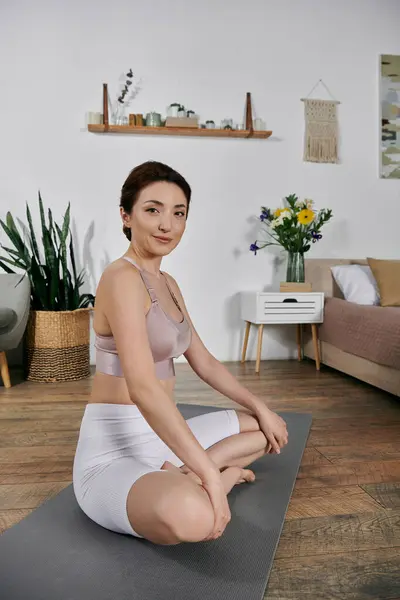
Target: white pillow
(357,284)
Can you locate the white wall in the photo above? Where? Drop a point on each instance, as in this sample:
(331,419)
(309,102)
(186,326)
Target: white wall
(207,55)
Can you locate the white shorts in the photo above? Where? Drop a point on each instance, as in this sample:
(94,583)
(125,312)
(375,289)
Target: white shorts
(116,446)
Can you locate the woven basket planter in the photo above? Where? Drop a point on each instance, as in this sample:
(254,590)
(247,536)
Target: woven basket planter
(57,345)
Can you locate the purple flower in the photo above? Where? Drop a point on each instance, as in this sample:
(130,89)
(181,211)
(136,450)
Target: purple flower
(264,214)
(315,236)
(254,248)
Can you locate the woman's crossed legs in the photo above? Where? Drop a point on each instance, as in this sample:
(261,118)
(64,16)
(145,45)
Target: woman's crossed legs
(172,507)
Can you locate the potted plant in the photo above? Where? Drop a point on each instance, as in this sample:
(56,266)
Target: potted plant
(294,228)
(56,344)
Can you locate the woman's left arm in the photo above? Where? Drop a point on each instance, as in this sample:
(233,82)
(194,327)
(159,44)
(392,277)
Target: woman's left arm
(211,371)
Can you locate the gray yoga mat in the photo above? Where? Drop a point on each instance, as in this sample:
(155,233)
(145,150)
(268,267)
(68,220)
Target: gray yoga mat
(58,553)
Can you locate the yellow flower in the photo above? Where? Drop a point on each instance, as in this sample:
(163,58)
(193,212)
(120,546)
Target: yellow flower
(282,212)
(305,216)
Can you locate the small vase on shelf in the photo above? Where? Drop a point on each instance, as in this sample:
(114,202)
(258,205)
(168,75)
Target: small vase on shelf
(119,116)
(295,267)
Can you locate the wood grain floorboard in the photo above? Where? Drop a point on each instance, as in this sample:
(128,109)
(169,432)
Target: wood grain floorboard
(341,537)
(358,575)
(388,494)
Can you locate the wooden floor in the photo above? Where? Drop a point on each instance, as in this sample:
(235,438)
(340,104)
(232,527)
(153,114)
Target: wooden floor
(341,537)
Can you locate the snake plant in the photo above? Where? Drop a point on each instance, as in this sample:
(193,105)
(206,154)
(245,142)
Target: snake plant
(53,287)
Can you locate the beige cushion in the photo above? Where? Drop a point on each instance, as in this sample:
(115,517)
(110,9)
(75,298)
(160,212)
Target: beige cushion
(387,275)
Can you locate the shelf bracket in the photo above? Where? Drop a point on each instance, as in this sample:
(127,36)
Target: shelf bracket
(249,115)
(105,107)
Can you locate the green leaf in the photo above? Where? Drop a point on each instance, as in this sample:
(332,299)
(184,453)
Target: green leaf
(72,256)
(39,284)
(11,262)
(5,268)
(41,210)
(50,216)
(66,222)
(86,300)
(52,231)
(52,263)
(64,265)
(10,251)
(15,238)
(34,246)
(54,275)
(51,259)
(77,283)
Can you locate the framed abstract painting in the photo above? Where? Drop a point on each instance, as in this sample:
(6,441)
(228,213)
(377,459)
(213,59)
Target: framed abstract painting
(389,100)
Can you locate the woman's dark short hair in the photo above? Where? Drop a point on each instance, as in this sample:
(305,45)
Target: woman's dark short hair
(145,174)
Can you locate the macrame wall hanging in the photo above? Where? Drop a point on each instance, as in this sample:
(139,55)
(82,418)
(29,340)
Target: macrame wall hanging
(321,128)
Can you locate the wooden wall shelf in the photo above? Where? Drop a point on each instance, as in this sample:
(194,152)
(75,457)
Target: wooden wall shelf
(249,132)
(185,131)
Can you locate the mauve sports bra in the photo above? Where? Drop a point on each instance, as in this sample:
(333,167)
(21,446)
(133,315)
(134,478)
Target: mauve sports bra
(168,338)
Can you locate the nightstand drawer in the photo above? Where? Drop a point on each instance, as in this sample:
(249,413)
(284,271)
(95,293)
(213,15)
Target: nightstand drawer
(269,307)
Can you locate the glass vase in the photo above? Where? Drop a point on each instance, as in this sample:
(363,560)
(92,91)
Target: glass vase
(295,267)
(119,115)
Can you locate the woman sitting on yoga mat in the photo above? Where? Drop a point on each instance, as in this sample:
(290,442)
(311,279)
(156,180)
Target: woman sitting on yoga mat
(140,468)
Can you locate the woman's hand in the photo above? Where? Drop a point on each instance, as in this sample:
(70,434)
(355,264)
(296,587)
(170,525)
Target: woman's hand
(219,501)
(273,427)
(213,486)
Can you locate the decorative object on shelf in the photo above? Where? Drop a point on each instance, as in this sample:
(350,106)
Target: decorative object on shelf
(321,128)
(57,337)
(135,120)
(245,132)
(293,227)
(181,112)
(153,119)
(119,116)
(181,122)
(227,124)
(94,118)
(125,89)
(172,110)
(389,92)
(259,124)
(210,124)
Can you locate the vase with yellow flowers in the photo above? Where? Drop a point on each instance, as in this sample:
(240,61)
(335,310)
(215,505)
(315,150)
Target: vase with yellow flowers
(294,227)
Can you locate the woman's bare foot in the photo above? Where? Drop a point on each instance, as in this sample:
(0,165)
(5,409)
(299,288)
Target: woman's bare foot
(247,476)
(167,466)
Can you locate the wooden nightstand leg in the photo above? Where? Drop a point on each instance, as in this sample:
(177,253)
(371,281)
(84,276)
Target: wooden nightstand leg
(259,346)
(245,341)
(299,342)
(316,345)
(4,372)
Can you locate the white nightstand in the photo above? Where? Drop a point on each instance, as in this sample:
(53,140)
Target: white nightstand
(262,308)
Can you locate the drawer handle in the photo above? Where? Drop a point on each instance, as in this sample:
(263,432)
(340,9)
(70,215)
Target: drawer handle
(290,300)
